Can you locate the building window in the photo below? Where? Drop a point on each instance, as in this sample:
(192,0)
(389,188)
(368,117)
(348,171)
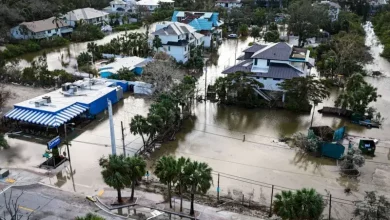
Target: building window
(257,77)
(169,48)
(265,78)
(276,79)
(268,61)
(49,31)
(178,37)
(255,61)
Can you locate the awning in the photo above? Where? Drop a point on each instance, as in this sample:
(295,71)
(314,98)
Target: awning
(56,119)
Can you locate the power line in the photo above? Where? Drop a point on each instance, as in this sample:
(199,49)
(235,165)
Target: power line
(267,168)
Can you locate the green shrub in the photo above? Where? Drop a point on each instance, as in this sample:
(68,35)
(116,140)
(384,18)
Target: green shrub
(54,42)
(83,59)
(87,32)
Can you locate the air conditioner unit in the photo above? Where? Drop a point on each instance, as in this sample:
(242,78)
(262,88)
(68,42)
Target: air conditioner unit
(47,99)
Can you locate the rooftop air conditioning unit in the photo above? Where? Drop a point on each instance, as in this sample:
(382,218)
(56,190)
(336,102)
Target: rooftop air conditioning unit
(47,99)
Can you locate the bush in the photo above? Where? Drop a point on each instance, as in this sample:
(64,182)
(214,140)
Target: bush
(271,36)
(243,30)
(83,59)
(14,50)
(87,32)
(124,74)
(127,27)
(54,42)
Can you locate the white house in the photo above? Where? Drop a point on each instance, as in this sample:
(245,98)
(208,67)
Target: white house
(87,15)
(334,9)
(41,29)
(118,5)
(151,5)
(228,3)
(133,63)
(272,64)
(176,39)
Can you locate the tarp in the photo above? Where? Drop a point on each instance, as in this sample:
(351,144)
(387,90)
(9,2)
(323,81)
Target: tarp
(339,134)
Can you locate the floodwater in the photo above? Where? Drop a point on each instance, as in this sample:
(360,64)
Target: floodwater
(215,135)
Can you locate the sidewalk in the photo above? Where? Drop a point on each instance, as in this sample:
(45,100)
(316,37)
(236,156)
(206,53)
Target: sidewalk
(157,201)
(107,195)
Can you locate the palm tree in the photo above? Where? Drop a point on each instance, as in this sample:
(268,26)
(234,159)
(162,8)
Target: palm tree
(302,204)
(90,216)
(135,169)
(114,173)
(180,165)
(157,42)
(138,125)
(166,172)
(198,179)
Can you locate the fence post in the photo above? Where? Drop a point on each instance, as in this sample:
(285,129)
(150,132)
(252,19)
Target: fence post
(330,205)
(272,196)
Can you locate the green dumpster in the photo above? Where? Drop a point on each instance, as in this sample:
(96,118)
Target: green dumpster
(367,146)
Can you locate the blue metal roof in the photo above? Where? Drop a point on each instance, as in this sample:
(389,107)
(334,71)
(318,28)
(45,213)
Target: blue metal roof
(201,23)
(52,119)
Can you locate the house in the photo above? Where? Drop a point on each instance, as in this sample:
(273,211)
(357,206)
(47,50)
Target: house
(118,6)
(271,3)
(87,15)
(151,5)
(177,38)
(41,29)
(334,9)
(205,23)
(134,63)
(272,64)
(228,3)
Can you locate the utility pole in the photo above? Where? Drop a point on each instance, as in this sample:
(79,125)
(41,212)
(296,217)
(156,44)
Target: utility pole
(218,190)
(272,196)
(123,139)
(112,131)
(67,142)
(330,205)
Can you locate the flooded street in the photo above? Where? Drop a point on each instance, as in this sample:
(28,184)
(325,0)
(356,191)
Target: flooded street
(215,136)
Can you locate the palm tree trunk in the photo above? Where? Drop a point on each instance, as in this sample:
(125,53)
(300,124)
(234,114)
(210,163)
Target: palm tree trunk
(169,195)
(192,212)
(119,196)
(132,190)
(181,198)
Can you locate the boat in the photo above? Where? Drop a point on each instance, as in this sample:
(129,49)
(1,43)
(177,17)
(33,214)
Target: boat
(232,36)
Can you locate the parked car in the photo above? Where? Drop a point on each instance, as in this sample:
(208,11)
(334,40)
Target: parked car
(232,36)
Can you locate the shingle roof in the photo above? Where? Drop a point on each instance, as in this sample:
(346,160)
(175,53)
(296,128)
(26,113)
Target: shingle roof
(254,48)
(175,28)
(44,25)
(280,71)
(278,51)
(84,14)
(244,66)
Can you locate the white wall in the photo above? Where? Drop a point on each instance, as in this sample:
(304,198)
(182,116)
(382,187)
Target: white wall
(17,34)
(178,52)
(269,83)
(207,41)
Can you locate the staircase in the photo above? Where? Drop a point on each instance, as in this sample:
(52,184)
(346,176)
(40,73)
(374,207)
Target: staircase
(263,94)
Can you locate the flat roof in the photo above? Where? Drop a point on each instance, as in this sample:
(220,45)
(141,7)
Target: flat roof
(128,62)
(60,101)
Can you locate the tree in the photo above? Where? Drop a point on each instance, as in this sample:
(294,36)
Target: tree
(271,36)
(243,30)
(198,179)
(84,58)
(139,125)
(135,169)
(166,171)
(301,91)
(305,19)
(90,216)
(373,207)
(255,33)
(157,42)
(12,208)
(180,177)
(124,73)
(302,204)
(115,173)
(357,95)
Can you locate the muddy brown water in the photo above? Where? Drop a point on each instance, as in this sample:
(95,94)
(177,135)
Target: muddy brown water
(215,136)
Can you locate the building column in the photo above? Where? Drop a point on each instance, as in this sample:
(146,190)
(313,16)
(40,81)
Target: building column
(283,96)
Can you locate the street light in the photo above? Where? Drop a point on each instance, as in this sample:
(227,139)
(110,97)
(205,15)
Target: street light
(66,138)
